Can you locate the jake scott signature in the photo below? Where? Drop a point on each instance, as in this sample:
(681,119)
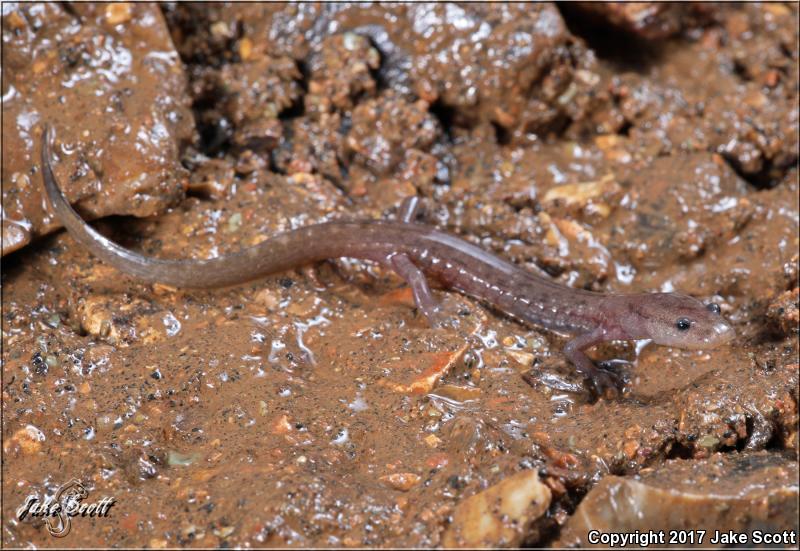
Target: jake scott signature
(58,510)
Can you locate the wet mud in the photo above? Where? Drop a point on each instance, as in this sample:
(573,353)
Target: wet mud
(618,149)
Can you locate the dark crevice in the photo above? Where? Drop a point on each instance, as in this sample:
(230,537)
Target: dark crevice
(215,132)
(305,77)
(546,530)
(556,128)
(502,135)
(621,48)
(70,9)
(126,231)
(13,263)
(762,434)
(775,444)
(625,129)
(445,115)
(678,451)
(295,111)
(740,70)
(760,180)
(396,63)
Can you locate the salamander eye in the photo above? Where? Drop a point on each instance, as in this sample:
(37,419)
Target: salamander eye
(713,307)
(683,324)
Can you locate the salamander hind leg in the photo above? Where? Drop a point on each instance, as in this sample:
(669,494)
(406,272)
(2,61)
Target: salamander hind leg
(423,297)
(312,274)
(605,383)
(410,208)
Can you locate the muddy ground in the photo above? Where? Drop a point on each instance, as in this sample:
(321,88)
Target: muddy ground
(619,148)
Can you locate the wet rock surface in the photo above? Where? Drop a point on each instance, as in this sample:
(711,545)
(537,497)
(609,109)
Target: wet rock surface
(110,82)
(648,20)
(754,494)
(317,407)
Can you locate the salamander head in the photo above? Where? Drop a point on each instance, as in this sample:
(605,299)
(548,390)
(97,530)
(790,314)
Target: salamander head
(681,321)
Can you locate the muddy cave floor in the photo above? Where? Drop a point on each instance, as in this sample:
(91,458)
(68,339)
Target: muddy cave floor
(317,407)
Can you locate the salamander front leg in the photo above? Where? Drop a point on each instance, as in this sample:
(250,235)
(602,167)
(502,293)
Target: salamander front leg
(423,297)
(606,384)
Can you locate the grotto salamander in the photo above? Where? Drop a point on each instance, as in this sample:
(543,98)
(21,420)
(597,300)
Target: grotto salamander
(415,251)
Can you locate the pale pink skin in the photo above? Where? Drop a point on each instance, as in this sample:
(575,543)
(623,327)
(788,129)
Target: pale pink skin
(414,251)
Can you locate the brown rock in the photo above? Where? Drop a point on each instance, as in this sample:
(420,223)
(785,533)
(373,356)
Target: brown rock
(499,515)
(784,312)
(743,492)
(112,86)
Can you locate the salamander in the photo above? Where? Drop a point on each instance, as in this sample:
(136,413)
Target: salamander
(415,251)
